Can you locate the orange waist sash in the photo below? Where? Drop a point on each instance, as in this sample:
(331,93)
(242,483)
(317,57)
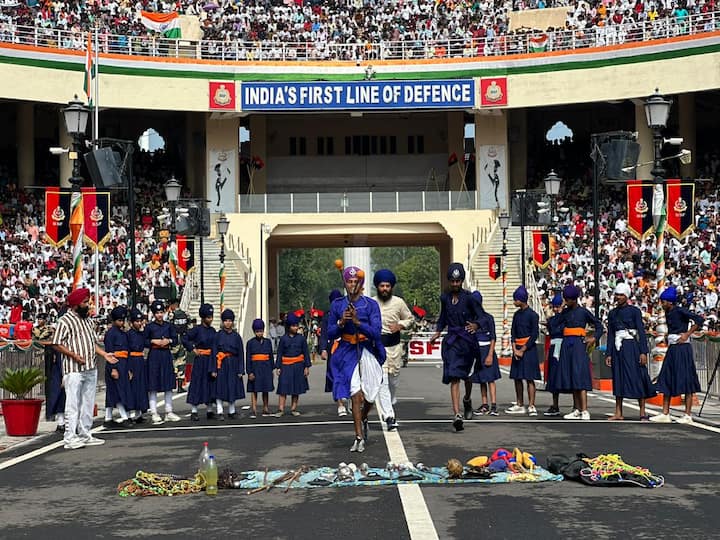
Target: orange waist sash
(579,332)
(289,360)
(120,354)
(136,353)
(522,341)
(220,357)
(353,338)
(260,357)
(204,352)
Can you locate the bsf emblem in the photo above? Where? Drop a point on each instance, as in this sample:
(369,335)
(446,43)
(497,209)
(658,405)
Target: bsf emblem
(58,215)
(96,215)
(680,206)
(641,207)
(186,254)
(222,96)
(542,248)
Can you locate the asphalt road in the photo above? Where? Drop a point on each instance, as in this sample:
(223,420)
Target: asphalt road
(72,494)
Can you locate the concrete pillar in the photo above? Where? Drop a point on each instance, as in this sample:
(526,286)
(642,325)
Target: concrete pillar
(195,151)
(456,145)
(259,147)
(645,138)
(25,141)
(688,131)
(222,138)
(517,141)
(66,164)
(493,159)
(445,248)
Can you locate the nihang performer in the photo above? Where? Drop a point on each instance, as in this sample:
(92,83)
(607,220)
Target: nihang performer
(260,364)
(160,337)
(229,355)
(200,340)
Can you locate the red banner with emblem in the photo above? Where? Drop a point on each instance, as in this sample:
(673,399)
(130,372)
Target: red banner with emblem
(639,205)
(185,252)
(495,266)
(96,207)
(680,202)
(57,216)
(541,248)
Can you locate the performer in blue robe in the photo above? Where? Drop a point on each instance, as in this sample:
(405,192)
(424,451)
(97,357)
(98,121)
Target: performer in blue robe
(260,364)
(555,325)
(229,354)
(54,390)
(487,368)
(160,337)
(459,313)
(355,321)
(293,366)
(137,366)
(326,347)
(627,354)
(525,362)
(678,374)
(117,379)
(574,365)
(200,340)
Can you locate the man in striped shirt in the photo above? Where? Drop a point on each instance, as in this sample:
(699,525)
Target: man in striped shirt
(75,340)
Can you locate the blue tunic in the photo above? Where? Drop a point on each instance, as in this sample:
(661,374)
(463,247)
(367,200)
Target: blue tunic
(117,391)
(678,374)
(137,365)
(202,385)
(292,379)
(161,373)
(56,395)
(229,384)
(525,325)
(459,347)
(485,333)
(574,366)
(259,360)
(347,355)
(630,378)
(324,344)
(555,325)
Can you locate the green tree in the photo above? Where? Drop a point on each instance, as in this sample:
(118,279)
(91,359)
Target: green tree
(307,276)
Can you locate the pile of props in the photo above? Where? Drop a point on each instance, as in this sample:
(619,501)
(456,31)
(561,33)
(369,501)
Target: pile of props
(605,470)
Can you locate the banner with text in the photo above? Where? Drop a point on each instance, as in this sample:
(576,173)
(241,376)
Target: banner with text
(96,206)
(357,95)
(57,216)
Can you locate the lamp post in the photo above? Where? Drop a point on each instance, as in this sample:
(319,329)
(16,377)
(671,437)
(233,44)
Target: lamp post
(521,195)
(552,189)
(504,221)
(172,194)
(264,229)
(222,227)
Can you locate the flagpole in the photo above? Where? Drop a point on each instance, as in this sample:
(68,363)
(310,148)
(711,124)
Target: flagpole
(97,280)
(96,92)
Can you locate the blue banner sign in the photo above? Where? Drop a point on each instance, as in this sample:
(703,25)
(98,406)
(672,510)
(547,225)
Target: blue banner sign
(363,95)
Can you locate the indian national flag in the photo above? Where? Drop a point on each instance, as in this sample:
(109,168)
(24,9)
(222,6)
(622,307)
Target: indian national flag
(167,23)
(89,69)
(538,43)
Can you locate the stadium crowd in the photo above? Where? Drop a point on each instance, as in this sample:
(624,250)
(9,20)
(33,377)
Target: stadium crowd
(357,29)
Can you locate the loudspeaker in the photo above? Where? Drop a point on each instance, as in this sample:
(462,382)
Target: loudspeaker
(104,167)
(162,293)
(619,154)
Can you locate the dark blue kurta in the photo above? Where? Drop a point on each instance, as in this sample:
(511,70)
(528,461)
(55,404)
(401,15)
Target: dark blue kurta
(347,355)
(161,373)
(485,333)
(202,385)
(678,374)
(56,395)
(459,347)
(229,384)
(555,325)
(137,365)
(574,366)
(525,325)
(117,391)
(630,378)
(292,379)
(324,344)
(259,361)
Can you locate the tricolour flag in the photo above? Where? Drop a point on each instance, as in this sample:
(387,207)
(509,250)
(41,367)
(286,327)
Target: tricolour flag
(167,23)
(77,223)
(89,69)
(538,43)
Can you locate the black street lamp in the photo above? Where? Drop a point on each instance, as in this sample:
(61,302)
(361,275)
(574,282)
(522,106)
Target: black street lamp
(76,116)
(222,227)
(552,189)
(504,221)
(172,194)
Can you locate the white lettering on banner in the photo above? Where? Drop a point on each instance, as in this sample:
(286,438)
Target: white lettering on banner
(420,348)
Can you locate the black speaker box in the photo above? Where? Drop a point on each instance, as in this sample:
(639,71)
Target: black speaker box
(619,154)
(104,167)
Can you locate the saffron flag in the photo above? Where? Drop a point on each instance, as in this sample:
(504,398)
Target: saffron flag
(185,246)
(495,266)
(89,69)
(680,208)
(640,219)
(57,216)
(541,249)
(96,207)
(538,43)
(167,23)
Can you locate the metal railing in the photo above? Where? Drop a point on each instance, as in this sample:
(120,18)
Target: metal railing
(248,51)
(385,201)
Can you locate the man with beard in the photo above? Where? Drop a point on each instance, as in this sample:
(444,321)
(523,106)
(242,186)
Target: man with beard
(396,317)
(74,339)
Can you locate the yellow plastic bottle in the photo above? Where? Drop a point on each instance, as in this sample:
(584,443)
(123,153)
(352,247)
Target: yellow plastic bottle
(211,477)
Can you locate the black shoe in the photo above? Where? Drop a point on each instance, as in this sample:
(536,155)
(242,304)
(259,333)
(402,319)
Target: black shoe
(391,424)
(210,415)
(467,404)
(127,423)
(194,417)
(458,422)
(221,417)
(552,411)
(232,416)
(110,424)
(139,420)
(483,410)
(365,428)
(60,429)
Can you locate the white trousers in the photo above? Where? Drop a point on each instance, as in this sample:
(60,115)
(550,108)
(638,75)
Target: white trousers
(386,396)
(80,391)
(368,377)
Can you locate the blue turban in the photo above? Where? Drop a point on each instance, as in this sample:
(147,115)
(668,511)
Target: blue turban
(571,292)
(477,296)
(334,295)
(118,314)
(456,271)
(136,315)
(227,315)
(292,319)
(384,276)
(521,294)
(156,306)
(258,325)
(669,295)
(206,310)
(557,300)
